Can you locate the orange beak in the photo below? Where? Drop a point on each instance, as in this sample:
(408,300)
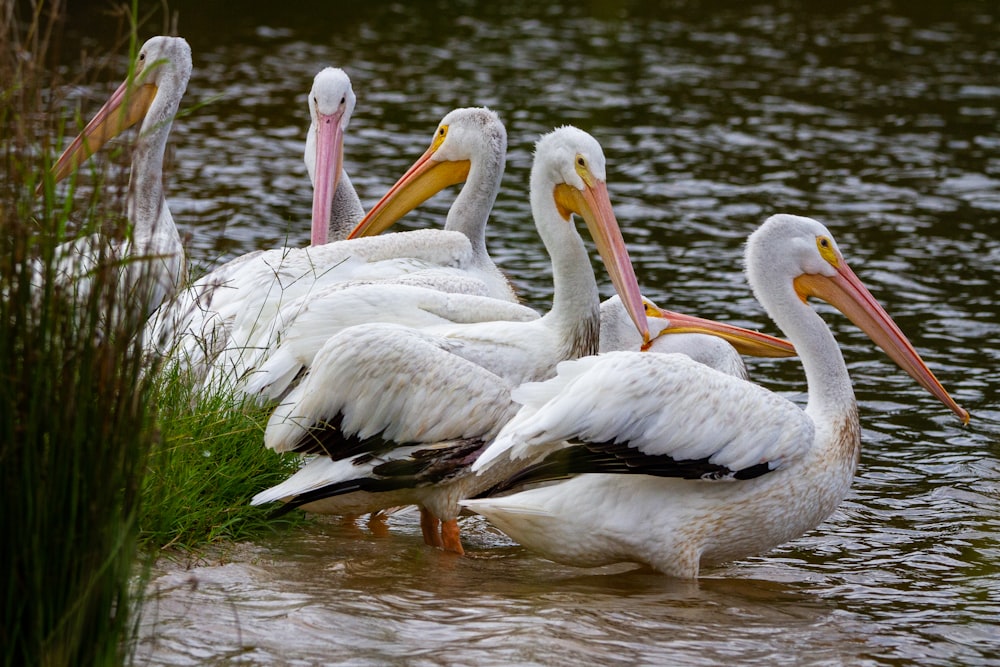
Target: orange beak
(845,291)
(752,343)
(126,106)
(593,204)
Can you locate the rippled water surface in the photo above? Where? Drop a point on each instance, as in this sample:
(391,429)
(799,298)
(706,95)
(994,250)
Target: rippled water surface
(880,119)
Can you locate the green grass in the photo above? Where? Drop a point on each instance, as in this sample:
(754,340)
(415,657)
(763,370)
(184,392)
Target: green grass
(106,459)
(210,463)
(76,428)
(76,423)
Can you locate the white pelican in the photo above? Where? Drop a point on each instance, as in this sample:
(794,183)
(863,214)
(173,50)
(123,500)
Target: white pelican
(237,309)
(422,402)
(337,208)
(152,94)
(398,414)
(345,485)
(720,468)
(469,145)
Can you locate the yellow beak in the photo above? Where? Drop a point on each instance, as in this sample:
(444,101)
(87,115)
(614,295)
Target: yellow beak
(751,343)
(424,179)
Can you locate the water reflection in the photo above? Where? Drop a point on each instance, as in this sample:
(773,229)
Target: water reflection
(417,604)
(879,118)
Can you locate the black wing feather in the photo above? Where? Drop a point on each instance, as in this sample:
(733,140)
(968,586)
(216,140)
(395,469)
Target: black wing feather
(327,438)
(620,458)
(421,468)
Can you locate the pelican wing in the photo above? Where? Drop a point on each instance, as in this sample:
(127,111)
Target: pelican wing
(661,414)
(309,322)
(235,306)
(388,385)
(402,469)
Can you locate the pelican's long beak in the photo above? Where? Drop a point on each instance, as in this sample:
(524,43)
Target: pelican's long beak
(326,176)
(594,206)
(424,179)
(126,106)
(751,343)
(845,291)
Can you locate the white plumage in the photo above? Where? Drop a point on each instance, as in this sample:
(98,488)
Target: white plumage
(236,305)
(598,399)
(306,325)
(677,466)
(226,322)
(618,334)
(153,95)
(447,388)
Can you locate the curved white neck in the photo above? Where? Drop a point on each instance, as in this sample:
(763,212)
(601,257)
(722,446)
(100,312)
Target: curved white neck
(147,206)
(831,395)
(575,312)
(471,210)
(154,233)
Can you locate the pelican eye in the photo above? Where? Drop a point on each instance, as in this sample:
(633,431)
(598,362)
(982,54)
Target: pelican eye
(343,100)
(583,171)
(439,137)
(142,56)
(826,250)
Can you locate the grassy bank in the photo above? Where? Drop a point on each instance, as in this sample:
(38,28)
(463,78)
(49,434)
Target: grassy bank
(105,457)
(208,465)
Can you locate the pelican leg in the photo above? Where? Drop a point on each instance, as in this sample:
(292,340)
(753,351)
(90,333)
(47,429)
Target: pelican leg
(451,540)
(429,526)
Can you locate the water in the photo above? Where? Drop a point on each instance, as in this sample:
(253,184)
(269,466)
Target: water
(878,118)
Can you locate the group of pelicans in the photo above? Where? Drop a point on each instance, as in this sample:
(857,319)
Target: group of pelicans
(404,371)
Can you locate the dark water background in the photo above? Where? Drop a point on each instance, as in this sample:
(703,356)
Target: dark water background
(882,119)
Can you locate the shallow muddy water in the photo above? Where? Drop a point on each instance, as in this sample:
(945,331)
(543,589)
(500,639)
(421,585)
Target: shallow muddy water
(878,118)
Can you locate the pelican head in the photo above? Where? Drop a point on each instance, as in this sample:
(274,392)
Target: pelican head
(162,62)
(331,103)
(797,258)
(570,167)
(460,137)
(618,333)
